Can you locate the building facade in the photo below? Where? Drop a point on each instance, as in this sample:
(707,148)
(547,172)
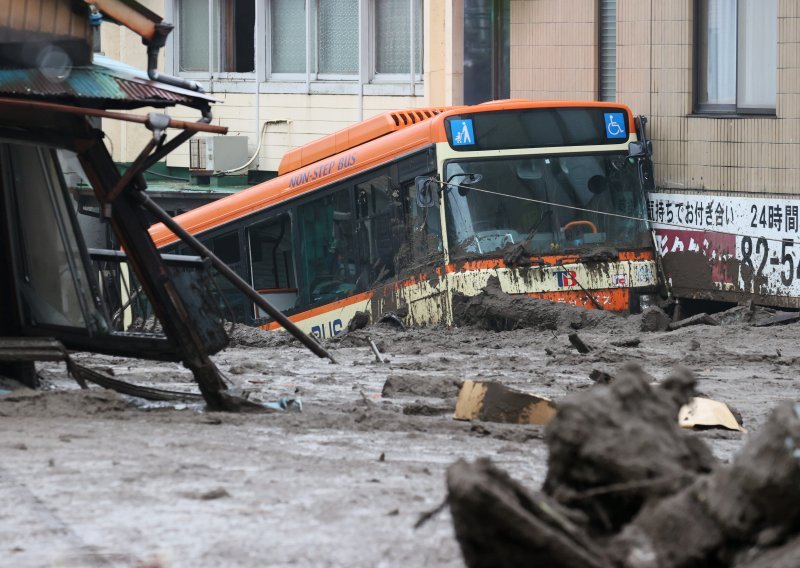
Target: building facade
(720,83)
(290,71)
(718,79)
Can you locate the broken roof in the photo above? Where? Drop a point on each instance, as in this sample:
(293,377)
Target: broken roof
(103,84)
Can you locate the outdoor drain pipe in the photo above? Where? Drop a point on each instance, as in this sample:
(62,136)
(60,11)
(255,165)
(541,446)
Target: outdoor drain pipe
(234,278)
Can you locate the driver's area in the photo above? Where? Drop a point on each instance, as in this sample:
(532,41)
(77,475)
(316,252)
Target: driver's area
(551,203)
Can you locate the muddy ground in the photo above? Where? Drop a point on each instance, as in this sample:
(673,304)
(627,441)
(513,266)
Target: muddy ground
(92,478)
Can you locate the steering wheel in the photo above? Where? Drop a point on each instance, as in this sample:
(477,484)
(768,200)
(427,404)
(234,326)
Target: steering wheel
(579,223)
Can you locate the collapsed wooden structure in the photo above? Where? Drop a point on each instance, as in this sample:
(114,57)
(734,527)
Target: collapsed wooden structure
(54,96)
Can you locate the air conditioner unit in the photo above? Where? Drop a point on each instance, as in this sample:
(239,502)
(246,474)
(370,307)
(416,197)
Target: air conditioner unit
(217,153)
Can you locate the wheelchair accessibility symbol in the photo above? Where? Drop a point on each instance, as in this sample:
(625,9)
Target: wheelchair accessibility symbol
(615,125)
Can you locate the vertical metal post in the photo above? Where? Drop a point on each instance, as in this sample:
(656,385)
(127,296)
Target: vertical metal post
(411,50)
(310,43)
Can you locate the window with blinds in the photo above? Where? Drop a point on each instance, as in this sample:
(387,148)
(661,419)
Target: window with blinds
(216,36)
(736,56)
(607,50)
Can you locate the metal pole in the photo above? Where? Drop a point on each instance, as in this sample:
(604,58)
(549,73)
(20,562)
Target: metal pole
(411,47)
(234,278)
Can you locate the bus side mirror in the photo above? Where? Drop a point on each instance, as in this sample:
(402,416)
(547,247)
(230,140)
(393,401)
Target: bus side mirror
(640,149)
(426,191)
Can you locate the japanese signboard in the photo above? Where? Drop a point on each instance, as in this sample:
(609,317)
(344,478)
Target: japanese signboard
(750,245)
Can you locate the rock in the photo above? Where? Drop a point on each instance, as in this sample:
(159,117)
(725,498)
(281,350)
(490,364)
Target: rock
(654,319)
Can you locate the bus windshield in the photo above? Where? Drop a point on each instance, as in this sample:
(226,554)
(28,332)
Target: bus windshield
(552,204)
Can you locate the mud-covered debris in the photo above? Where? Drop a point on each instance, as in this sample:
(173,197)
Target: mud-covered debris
(602,254)
(781,318)
(496,310)
(733,515)
(246,336)
(627,488)
(494,402)
(499,524)
(630,342)
(697,319)
(393,319)
(418,408)
(285,403)
(578,343)
(601,377)
(626,432)
(740,314)
(654,319)
(416,385)
(519,255)
(359,320)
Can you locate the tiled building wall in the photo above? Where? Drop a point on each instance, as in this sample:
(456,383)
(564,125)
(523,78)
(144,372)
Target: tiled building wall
(553,49)
(738,155)
(554,56)
(735,155)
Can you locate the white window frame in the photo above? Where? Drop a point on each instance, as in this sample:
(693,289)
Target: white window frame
(366,80)
(414,43)
(702,107)
(329,83)
(173,57)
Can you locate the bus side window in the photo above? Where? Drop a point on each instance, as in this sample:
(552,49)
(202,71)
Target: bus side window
(227,248)
(423,242)
(329,256)
(272,262)
(380,230)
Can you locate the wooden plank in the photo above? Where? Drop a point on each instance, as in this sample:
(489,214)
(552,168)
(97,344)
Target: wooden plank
(493,402)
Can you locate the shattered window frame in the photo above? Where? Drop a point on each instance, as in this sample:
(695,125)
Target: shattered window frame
(64,222)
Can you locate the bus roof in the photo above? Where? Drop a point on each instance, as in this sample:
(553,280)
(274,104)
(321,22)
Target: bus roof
(353,136)
(342,154)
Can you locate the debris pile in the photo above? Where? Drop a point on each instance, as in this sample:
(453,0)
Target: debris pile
(627,487)
(495,310)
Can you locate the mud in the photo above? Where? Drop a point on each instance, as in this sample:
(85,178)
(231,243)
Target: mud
(104,479)
(658,499)
(657,458)
(494,310)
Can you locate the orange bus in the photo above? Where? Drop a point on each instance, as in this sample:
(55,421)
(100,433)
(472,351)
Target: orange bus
(401,211)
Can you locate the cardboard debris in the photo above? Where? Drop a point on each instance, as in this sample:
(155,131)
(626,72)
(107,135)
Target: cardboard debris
(493,402)
(707,413)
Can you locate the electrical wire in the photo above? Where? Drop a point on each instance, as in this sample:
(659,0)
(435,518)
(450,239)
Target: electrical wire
(619,215)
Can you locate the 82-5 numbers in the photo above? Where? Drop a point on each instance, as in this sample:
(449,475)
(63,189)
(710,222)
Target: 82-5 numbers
(757,256)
